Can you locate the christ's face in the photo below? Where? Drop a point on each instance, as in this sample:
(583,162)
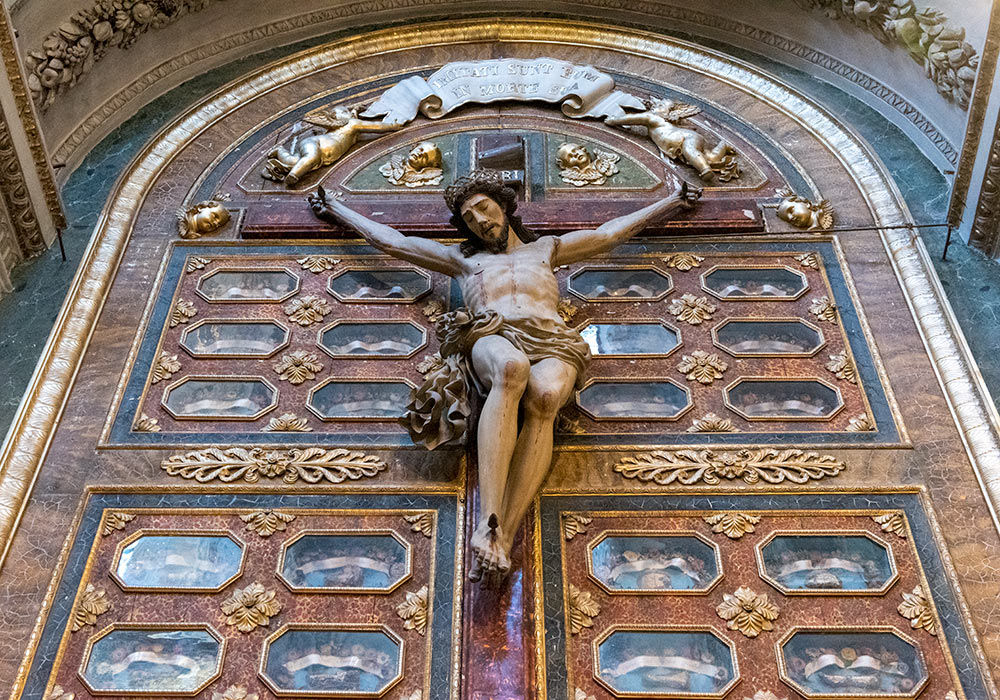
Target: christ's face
(487,220)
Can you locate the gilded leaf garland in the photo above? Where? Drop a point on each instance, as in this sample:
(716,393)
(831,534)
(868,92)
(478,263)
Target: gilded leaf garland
(234,692)
(164,367)
(582,610)
(892,522)
(116,520)
(711,423)
(251,607)
(298,366)
(307,310)
(566,309)
(574,524)
(145,424)
(732,524)
(751,465)
(809,260)
(182,311)
(748,612)
(413,611)
(917,609)
(824,309)
(702,367)
(683,261)
(266,522)
(861,423)
(421,522)
(312,465)
(842,367)
(691,309)
(93,602)
(317,263)
(287,423)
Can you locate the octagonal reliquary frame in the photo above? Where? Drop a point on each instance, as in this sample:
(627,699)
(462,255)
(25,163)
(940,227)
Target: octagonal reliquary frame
(371,321)
(591,381)
(780,380)
(271,268)
(591,267)
(633,321)
(163,532)
(673,534)
(189,330)
(343,270)
(750,266)
(214,417)
(388,532)
(764,320)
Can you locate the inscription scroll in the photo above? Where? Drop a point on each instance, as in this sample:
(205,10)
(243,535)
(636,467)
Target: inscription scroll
(582,91)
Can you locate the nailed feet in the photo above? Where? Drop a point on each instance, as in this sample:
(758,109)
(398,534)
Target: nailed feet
(490,557)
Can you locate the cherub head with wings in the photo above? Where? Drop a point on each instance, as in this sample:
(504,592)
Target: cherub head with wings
(804,213)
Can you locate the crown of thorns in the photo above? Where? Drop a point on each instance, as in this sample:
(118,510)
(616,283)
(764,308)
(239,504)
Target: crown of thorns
(482,180)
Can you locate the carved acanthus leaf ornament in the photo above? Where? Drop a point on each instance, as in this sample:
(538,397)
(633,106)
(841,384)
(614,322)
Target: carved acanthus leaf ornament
(182,311)
(567,309)
(702,367)
(766,464)
(421,522)
(750,613)
(266,522)
(842,367)
(297,366)
(145,424)
(413,611)
(164,367)
(307,310)
(312,465)
(691,309)
(317,263)
(917,609)
(251,607)
(732,524)
(116,520)
(861,423)
(287,423)
(893,522)
(93,602)
(824,309)
(809,260)
(683,261)
(712,423)
(582,610)
(574,524)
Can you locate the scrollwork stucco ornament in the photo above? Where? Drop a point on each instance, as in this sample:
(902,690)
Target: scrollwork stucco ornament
(203,218)
(579,168)
(421,167)
(804,213)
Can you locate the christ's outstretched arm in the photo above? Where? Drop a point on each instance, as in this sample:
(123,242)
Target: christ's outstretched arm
(420,251)
(580,245)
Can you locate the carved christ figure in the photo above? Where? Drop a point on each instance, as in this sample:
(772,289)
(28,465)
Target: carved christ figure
(508,341)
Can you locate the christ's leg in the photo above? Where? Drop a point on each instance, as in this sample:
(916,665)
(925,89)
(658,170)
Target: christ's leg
(549,386)
(504,370)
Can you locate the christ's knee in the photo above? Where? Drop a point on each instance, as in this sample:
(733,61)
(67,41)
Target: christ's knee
(511,374)
(543,402)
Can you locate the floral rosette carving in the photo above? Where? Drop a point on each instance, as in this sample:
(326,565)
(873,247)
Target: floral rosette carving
(251,607)
(691,309)
(748,612)
(307,310)
(702,367)
(298,366)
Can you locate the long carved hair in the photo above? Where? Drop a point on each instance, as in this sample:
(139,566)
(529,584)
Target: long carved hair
(489,183)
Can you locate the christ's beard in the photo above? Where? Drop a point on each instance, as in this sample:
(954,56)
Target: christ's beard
(499,244)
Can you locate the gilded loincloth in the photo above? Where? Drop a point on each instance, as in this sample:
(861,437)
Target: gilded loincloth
(439,409)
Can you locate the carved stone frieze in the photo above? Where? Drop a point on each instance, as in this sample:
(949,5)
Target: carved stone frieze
(709,466)
(311,464)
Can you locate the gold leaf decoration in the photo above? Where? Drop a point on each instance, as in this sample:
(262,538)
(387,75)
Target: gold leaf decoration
(182,311)
(810,260)
(317,263)
(433,309)
(582,695)
(194,264)
(750,613)
(234,692)
(861,423)
(567,309)
(892,522)
(823,309)
(568,425)
(92,603)
(711,423)
(297,366)
(312,465)
(751,465)
(57,693)
(413,611)
(266,522)
(691,309)
(917,609)
(764,695)
(421,522)
(287,423)
(582,610)
(842,367)
(574,524)
(702,367)
(732,524)
(164,367)
(950,695)
(307,310)
(145,424)
(116,520)
(251,607)
(683,261)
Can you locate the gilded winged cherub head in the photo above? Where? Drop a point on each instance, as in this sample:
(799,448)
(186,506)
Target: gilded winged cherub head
(578,168)
(421,167)
(203,217)
(804,213)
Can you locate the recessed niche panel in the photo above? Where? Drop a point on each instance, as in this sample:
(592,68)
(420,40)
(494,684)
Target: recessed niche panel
(248,285)
(372,339)
(359,400)
(754,283)
(167,660)
(620,284)
(852,664)
(210,338)
(655,663)
(333,662)
(220,398)
(630,339)
(346,561)
(790,338)
(195,561)
(811,564)
(650,400)
(394,284)
(783,399)
(633,563)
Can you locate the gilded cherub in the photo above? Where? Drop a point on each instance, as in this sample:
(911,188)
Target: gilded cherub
(318,150)
(204,217)
(578,168)
(422,167)
(676,142)
(804,213)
